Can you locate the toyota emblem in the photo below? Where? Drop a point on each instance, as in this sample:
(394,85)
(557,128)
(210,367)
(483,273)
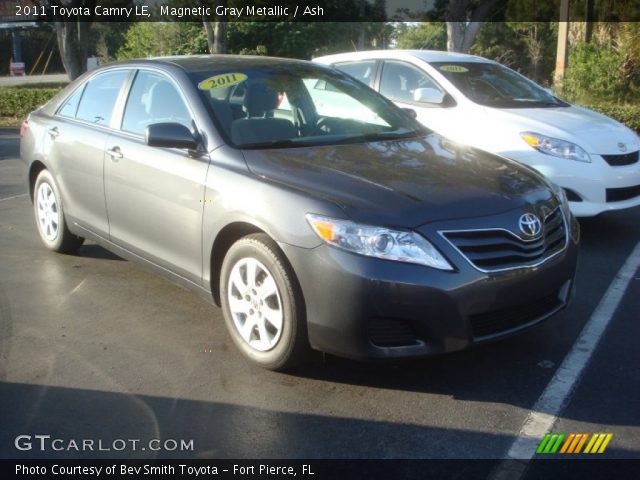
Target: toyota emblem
(530,224)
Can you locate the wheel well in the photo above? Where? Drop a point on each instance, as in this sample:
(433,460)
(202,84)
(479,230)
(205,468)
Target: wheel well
(227,237)
(34,171)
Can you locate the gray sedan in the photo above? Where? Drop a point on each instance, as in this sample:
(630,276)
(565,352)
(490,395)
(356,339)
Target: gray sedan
(316,213)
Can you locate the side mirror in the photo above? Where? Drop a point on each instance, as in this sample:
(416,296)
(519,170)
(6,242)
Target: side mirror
(170,135)
(411,112)
(428,95)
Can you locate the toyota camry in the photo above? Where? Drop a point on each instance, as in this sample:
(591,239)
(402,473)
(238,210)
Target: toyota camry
(354,231)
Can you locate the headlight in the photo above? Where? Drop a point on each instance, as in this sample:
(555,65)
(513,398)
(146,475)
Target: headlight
(401,246)
(555,147)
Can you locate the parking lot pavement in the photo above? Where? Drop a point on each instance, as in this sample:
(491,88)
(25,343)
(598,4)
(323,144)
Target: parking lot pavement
(94,347)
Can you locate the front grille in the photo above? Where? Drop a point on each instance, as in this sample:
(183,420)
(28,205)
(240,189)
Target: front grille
(502,321)
(621,160)
(498,249)
(620,194)
(392,332)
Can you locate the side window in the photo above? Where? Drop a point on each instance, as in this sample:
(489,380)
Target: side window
(99,98)
(70,105)
(362,71)
(153,99)
(399,81)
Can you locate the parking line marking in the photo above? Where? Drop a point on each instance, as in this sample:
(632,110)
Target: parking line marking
(557,394)
(15,196)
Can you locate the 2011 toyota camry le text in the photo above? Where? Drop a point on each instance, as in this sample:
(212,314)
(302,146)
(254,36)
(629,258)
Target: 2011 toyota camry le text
(354,230)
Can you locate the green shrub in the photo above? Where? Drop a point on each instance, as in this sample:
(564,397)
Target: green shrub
(18,102)
(596,74)
(629,114)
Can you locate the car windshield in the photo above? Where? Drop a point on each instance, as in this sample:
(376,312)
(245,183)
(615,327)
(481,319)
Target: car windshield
(493,85)
(273,105)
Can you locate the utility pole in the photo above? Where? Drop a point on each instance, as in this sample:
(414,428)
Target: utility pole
(563,36)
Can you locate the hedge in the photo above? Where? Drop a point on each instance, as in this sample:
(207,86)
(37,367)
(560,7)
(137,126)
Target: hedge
(18,102)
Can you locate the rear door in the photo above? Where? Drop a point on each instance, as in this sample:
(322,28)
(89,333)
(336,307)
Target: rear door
(155,195)
(77,137)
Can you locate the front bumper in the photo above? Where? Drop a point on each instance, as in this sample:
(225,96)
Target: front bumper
(599,187)
(365,308)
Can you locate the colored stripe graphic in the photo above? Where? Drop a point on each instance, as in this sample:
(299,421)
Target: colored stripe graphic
(572,444)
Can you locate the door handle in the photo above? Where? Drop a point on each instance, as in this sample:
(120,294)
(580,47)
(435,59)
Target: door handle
(115,153)
(54,132)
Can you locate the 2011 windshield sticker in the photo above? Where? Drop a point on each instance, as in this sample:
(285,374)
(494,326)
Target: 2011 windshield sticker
(454,68)
(222,81)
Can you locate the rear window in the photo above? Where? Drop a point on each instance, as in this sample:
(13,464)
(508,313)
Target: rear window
(99,97)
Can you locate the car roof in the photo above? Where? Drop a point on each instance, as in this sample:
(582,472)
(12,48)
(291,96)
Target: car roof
(425,55)
(200,63)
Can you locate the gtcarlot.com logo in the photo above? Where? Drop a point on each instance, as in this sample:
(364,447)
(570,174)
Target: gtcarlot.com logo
(46,443)
(593,443)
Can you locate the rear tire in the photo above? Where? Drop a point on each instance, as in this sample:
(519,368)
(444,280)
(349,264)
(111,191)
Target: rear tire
(262,304)
(49,214)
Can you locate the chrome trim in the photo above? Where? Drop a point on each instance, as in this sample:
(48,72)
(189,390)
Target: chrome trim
(443,233)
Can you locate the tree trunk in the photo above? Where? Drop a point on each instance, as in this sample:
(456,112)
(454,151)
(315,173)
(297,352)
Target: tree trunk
(73,44)
(466,19)
(217,33)
(210,36)
(220,37)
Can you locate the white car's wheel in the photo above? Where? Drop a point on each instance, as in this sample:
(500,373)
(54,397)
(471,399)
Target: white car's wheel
(261,303)
(50,216)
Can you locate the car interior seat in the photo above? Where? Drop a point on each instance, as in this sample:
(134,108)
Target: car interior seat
(260,101)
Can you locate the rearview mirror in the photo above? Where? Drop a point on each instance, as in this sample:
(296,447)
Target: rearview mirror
(428,95)
(170,135)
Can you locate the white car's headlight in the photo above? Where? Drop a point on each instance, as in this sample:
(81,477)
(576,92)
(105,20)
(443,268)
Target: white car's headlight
(555,147)
(397,245)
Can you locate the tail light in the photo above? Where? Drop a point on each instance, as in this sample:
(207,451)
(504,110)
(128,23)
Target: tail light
(24,127)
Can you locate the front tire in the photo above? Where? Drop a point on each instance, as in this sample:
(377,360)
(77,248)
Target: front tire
(262,304)
(49,214)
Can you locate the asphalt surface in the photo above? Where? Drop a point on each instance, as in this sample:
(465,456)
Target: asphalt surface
(95,347)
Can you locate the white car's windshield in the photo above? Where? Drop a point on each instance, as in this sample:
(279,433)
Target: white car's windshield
(493,85)
(275,106)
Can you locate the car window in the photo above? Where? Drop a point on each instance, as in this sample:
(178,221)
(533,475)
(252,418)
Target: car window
(362,71)
(99,97)
(280,106)
(399,81)
(70,105)
(153,99)
(493,85)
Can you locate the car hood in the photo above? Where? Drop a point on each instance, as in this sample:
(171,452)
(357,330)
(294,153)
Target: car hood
(592,131)
(403,182)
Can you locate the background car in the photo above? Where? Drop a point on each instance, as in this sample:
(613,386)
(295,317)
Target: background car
(479,102)
(363,235)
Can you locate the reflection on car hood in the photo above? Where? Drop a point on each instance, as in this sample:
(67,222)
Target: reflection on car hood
(403,182)
(592,131)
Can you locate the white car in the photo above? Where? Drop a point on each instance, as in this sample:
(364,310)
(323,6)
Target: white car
(482,103)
